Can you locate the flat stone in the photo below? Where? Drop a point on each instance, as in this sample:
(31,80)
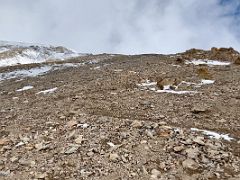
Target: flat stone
(114,157)
(79,139)
(71,123)
(178,148)
(71,150)
(198,109)
(190,164)
(199,140)
(4,141)
(4,173)
(192,152)
(155,174)
(137,124)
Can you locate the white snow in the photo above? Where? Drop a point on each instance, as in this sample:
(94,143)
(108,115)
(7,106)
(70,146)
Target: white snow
(203,82)
(33,72)
(207,62)
(147,83)
(84,125)
(117,70)
(2,50)
(24,88)
(206,82)
(47,91)
(166,88)
(111,144)
(33,57)
(98,67)
(176,92)
(25,73)
(214,134)
(26,53)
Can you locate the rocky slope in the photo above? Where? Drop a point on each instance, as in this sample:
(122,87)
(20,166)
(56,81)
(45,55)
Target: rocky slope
(122,117)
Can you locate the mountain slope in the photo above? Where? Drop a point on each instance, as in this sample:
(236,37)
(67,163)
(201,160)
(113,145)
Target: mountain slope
(22,53)
(122,117)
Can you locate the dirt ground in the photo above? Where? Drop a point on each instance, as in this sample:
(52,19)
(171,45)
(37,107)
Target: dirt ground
(112,118)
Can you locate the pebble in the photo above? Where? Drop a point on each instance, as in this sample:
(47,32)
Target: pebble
(4,141)
(155,174)
(190,164)
(114,157)
(41,175)
(137,124)
(14,159)
(71,123)
(71,150)
(192,152)
(41,146)
(178,148)
(198,109)
(4,173)
(20,144)
(199,140)
(79,139)
(90,154)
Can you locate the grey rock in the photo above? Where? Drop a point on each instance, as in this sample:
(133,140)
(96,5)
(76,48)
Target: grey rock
(190,164)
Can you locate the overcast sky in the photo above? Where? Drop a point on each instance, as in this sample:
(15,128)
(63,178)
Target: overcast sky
(122,26)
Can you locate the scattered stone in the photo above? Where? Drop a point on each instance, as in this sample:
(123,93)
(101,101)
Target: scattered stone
(199,140)
(41,175)
(237,61)
(20,144)
(4,173)
(14,159)
(198,109)
(192,153)
(114,157)
(72,123)
(111,144)
(84,126)
(4,141)
(41,146)
(79,139)
(90,154)
(155,174)
(71,150)
(190,164)
(137,124)
(149,133)
(178,148)
(25,162)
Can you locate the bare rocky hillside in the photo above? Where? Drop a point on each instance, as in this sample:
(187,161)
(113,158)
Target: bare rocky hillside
(122,117)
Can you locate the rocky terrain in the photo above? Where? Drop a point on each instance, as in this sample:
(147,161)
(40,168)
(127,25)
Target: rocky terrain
(122,117)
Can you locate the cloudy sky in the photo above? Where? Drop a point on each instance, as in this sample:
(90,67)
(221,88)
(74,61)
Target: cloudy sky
(123,26)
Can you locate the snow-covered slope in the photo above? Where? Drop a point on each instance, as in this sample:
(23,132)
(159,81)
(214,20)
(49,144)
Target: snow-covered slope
(12,53)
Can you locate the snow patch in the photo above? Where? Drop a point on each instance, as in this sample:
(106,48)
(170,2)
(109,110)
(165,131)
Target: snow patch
(84,125)
(2,50)
(26,53)
(33,57)
(166,89)
(207,62)
(206,82)
(47,91)
(33,72)
(24,88)
(214,134)
(147,83)
(176,92)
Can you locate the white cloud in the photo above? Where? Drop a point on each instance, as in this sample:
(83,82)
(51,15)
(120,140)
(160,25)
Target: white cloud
(136,26)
